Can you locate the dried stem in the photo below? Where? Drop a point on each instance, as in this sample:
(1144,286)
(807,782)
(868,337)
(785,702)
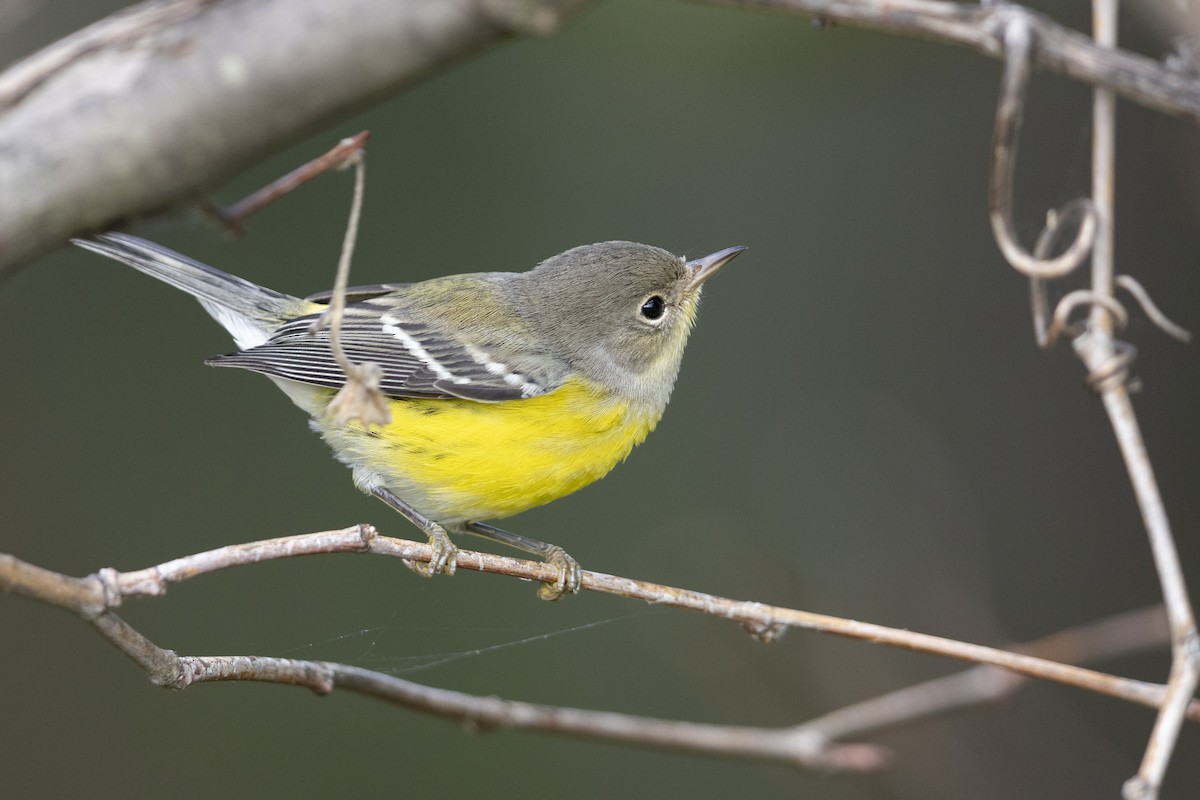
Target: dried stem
(1185,658)
(1104,159)
(1106,358)
(1095,346)
(360,399)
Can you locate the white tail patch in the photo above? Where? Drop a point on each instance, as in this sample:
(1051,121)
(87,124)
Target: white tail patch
(246,332)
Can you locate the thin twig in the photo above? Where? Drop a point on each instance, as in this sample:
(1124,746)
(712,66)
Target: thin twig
(95,598)
(1104,159)
(112,586)
(360,399)
(482,713)
(340,155)
(810,745)
(1185,655)
(1124,633)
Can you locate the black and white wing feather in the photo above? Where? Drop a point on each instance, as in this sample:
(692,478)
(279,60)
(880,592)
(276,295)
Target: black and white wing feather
(418,359)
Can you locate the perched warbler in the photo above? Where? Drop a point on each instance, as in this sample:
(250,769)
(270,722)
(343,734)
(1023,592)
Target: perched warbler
(506,389)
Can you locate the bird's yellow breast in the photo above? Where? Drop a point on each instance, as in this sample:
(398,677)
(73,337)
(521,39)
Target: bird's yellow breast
(460,460)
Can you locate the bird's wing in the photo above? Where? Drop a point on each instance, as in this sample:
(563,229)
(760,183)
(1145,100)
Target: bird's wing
(419,359)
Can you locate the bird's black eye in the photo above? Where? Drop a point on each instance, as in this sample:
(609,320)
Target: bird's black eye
(654,307)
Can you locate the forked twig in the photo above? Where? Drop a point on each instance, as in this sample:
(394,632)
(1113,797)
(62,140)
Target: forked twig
(108,588)
(97,597)
(1123,633)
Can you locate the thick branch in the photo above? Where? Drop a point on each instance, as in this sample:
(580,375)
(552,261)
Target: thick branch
(154,106)
(151,107)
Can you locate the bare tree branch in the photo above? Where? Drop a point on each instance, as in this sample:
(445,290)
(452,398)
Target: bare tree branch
(95,597)
(153,106)
(982,28)
(810,745)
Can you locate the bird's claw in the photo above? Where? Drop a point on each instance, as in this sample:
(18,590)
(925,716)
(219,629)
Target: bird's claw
(570,575)
(444,556)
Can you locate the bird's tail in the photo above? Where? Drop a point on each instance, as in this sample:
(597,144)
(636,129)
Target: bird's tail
(248,311)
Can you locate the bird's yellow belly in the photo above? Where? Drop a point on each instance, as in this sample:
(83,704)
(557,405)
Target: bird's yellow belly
(460,460)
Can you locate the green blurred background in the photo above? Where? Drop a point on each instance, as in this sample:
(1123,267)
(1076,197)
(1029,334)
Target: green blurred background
(863,426)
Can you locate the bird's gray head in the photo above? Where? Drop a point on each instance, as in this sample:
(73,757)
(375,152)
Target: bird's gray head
(619,312)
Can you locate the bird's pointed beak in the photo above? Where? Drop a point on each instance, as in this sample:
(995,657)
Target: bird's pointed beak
(704,268)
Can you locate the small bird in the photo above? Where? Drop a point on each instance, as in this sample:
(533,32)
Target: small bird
(506,390)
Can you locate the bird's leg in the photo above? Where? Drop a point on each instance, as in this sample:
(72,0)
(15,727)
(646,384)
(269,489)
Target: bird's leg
(444,551)
(569,572)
